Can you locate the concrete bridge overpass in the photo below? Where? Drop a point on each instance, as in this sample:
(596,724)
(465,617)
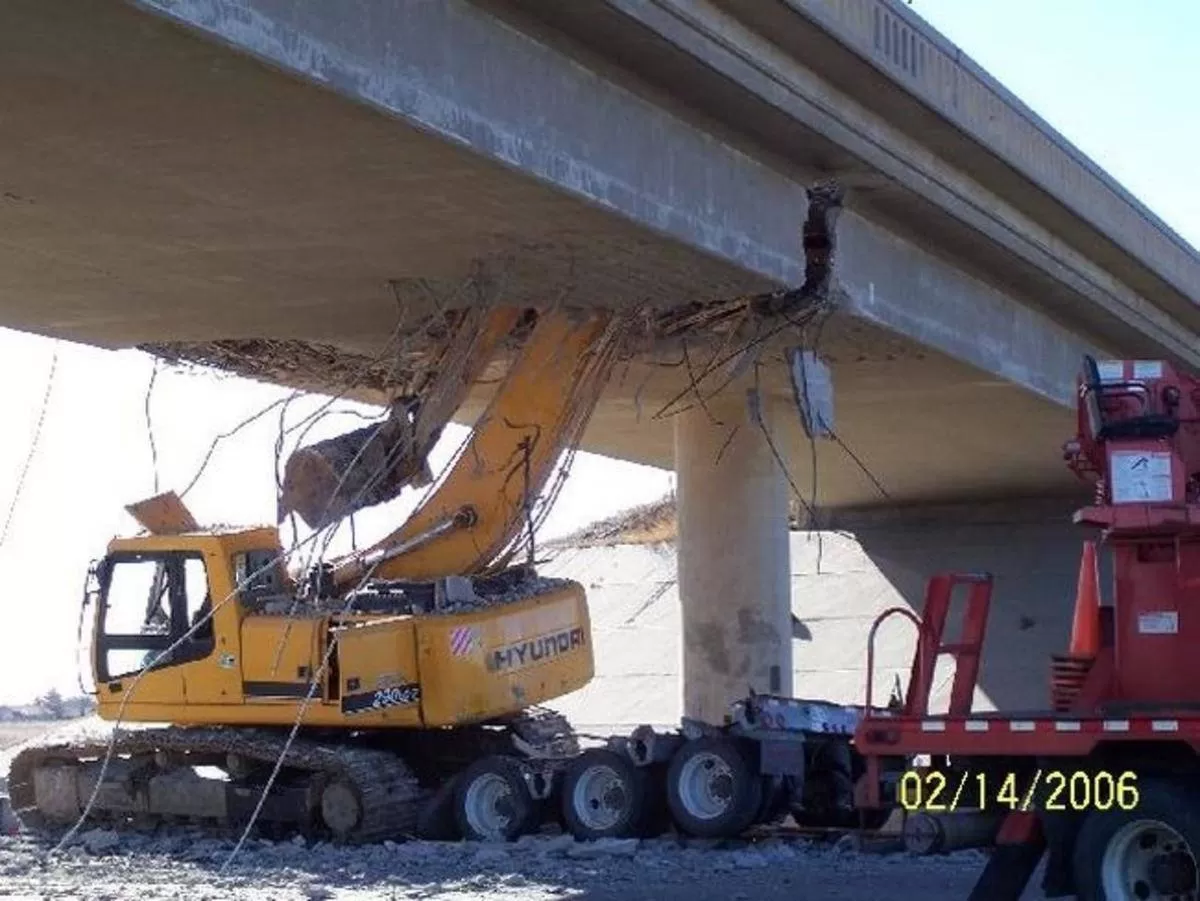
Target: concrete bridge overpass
(182,172)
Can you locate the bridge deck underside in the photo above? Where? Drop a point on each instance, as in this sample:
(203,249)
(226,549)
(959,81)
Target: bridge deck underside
(157,187)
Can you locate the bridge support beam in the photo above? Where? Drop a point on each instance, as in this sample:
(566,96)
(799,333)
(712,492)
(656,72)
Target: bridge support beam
(733,558)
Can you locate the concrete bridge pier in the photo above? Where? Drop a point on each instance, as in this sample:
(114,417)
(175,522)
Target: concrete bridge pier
(733,556)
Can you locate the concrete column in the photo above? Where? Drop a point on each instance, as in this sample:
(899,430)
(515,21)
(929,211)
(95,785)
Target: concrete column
(734,571)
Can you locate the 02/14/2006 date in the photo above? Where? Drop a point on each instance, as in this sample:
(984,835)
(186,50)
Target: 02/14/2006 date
(934,791)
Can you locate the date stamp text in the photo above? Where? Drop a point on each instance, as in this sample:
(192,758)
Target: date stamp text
(1074,791)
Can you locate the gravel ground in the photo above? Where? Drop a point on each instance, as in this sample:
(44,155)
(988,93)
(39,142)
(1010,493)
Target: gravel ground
(101,865)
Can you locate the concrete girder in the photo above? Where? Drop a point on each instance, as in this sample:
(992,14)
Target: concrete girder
(936,87)
(894,283)
(900,179)
(550,116)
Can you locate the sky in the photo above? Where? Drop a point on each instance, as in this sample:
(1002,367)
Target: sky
(1116,78)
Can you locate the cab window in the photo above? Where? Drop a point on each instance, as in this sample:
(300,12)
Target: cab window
(148,604)
(260,576)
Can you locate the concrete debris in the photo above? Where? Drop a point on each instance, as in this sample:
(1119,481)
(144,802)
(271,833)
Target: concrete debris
(525,589)
(558,844)
(486,858)
(305,365)
(397,597)
(748,860)
(328,369)
(848,844)
(151,867)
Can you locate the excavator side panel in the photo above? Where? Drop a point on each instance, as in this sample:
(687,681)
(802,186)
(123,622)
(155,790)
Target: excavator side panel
(279,657)
(377,676)
(498,660)
(548,393)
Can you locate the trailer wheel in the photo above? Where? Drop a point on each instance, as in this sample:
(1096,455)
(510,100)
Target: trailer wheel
(1149,852)
(492,801)
(712,789)
(604,795)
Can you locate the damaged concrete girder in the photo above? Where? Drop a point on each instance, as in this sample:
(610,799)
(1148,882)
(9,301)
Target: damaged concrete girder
(533,104)
(795,112)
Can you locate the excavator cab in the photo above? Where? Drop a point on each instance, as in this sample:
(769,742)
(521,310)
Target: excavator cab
(155,610)
(147,603)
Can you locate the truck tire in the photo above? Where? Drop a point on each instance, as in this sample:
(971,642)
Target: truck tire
(604,795)
(713,790)
(492,802)
(1150,850)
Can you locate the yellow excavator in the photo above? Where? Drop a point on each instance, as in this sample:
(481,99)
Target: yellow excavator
(392,692)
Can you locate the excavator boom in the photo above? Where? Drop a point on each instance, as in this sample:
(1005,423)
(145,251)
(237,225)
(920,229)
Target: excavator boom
(486,499)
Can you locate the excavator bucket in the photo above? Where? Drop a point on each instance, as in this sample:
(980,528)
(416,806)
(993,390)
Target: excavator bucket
(537,412)
(335,478)
(331,479)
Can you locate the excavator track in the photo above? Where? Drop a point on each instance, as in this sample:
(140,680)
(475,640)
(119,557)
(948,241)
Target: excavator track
(376,794)
(384,791)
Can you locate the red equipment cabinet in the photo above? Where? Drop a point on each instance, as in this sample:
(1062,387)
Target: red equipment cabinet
(1118,747)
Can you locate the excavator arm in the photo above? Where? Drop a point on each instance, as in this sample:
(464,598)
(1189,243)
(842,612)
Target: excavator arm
(469,520)
(329,480)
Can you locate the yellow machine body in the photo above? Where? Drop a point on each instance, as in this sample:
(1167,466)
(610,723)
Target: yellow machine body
(398,671)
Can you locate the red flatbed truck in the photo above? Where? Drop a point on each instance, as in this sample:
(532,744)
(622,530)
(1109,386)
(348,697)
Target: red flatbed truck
(1104,783)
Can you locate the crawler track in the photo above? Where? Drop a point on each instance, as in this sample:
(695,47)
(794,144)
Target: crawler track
(388,792)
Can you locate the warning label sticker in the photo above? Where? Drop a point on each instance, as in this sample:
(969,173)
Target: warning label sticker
(1159,622)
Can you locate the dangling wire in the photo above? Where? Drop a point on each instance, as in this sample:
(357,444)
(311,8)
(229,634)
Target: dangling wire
(33,446)
(150,423)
